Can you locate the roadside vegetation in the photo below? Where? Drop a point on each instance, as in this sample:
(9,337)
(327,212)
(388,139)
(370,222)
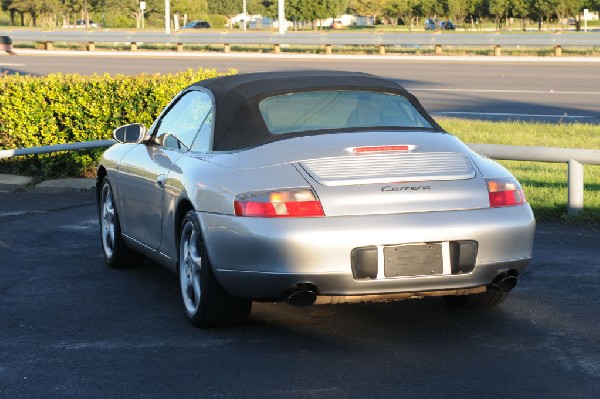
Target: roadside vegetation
(58,109)
(305,14)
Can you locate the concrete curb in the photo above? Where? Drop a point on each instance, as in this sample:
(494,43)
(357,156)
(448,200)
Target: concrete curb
(15,182)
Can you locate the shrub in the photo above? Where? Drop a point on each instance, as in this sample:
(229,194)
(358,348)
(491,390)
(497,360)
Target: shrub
(58,109)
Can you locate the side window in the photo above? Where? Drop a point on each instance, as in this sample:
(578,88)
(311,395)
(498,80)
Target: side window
(179,126)
(204,138)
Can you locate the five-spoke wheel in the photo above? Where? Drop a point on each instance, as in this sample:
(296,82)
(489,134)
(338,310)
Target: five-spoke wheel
(116,252)
(205,301)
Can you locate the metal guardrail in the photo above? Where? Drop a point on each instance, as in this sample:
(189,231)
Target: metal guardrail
(327,39)
(575,158)
(55,148)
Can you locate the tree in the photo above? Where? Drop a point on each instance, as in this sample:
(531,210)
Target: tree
(227,8)
(431,8)
(541,9)
(457,10)
(405,9)
(190,7)
(35,8)
(568,8)
(367,7)
(499,9)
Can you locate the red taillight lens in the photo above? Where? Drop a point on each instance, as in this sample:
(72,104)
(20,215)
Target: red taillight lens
(275,204)
(505,192)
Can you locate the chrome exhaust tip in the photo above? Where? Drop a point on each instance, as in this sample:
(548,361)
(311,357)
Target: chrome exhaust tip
(301,296)
(504,282)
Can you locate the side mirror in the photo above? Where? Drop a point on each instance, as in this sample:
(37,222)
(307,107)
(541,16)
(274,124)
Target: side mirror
(130,134)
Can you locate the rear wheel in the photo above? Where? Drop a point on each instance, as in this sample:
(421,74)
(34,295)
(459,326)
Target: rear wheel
(206,302)
(486,299)
(116,252)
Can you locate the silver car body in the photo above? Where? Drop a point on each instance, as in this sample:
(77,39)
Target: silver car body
(434,194)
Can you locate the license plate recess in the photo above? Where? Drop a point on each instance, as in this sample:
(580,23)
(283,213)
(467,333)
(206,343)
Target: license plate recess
(413,260)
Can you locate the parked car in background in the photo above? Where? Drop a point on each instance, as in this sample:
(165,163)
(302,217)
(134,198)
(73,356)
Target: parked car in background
(432,24)
(196,25)
(448,25)
(80,23)
(337,25)
(310,187)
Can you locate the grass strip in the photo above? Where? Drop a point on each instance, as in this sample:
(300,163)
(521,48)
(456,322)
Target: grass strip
(545,184)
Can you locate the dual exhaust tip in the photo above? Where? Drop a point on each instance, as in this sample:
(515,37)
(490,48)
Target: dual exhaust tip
(306,294)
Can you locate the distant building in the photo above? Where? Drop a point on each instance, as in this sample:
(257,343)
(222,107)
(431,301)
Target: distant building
(365,20)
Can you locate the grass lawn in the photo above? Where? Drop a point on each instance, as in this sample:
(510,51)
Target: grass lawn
(545,184)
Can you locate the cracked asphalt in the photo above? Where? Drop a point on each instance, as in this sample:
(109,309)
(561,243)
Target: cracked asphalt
(70,327)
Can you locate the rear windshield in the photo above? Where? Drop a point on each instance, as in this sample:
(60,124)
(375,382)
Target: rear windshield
(323,110)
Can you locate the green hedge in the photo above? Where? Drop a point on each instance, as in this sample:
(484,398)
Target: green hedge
(58,109)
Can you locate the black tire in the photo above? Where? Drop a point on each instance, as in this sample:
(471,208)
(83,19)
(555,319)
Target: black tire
(486,299)
(116,253)
(205,301)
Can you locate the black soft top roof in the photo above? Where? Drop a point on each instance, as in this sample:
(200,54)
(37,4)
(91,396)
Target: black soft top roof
(238,122)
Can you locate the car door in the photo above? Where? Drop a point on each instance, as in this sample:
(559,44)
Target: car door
(180,173)
(145,168)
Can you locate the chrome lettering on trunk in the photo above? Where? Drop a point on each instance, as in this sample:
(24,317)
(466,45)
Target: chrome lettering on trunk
(405,188)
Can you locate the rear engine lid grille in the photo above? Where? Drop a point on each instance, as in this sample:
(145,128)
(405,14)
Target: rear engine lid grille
(386,168)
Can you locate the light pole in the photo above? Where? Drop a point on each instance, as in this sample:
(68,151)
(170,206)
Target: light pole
(86,15)
(167,16)
(142,9)
(280,16)
(244,12)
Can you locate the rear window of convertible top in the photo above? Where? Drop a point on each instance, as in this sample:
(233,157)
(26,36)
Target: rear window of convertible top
(330,110)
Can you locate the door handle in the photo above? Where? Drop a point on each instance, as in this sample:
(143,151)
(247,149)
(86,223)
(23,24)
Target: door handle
(160,181)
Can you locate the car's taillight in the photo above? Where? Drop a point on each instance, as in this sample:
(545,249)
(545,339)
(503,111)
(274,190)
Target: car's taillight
(505,192)
(275,204)
(381,148)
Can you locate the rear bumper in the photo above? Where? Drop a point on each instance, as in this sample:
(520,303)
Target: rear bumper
(262,258)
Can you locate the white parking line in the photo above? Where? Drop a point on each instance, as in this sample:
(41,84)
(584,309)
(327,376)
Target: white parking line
(20,213)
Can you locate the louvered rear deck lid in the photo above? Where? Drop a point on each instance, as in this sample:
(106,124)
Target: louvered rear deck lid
(393,167)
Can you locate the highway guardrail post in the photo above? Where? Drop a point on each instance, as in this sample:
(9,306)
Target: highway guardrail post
(227,48)
(557,51)
(497,51)
(179,47)
(48,46)
(381,49)
(438,49)
(91,46)
(328,49)
(133,46)
(6,45)
(576,188)
(276,48)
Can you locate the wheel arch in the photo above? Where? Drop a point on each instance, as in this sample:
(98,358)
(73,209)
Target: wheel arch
(100,176)
(184,206)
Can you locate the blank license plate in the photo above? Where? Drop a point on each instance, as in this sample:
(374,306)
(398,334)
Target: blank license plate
(413,260)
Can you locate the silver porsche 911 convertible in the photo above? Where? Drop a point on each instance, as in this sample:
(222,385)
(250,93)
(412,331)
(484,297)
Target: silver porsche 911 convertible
(310,187)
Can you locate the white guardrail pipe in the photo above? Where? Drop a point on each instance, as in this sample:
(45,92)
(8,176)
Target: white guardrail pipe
(575,158)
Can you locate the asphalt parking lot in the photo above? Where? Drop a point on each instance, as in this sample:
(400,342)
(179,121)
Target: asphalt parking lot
(72,327)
